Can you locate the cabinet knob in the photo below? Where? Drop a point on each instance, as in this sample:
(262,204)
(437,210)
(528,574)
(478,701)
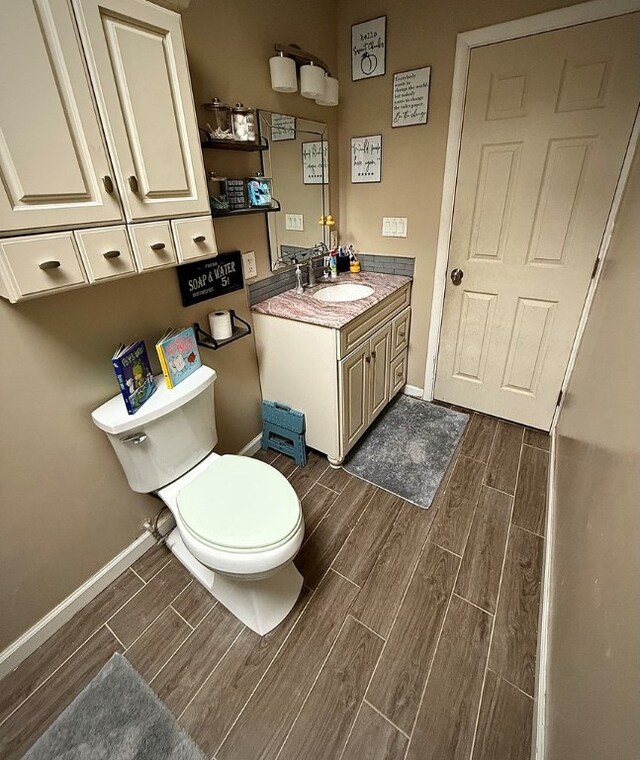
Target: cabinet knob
(133,184)
(373,354)
(199,239)
(50,264)
(158,246)
(367,359)
(108,184)
(111,254)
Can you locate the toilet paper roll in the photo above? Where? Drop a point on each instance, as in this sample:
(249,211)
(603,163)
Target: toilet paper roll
(220,324)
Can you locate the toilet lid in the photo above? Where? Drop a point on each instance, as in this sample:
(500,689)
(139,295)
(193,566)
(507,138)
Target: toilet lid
(239,503)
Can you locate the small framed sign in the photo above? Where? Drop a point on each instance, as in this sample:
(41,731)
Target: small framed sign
(315,162)
(369,49)
(209,278)
(366,158)
(411,97)
(282,127)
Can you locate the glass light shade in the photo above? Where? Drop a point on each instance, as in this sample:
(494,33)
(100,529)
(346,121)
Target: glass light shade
(330,95)
(311,81)
(283,74)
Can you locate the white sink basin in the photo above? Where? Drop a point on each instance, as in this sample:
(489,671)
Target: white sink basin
(347,291)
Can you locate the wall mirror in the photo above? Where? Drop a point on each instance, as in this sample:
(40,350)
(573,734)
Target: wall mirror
(298,163)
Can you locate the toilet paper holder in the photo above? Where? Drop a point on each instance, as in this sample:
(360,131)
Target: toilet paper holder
(239,326)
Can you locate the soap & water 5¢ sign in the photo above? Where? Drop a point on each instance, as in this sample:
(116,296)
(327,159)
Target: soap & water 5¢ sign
(209,278)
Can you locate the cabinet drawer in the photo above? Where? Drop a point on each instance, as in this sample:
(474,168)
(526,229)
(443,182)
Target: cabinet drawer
(400,332)
(41,264)
(397,374)
(153,245)
(106,253)
(195,238)
(367,323)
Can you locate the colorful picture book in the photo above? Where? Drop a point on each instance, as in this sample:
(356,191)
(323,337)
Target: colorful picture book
(131,364)
(178,354)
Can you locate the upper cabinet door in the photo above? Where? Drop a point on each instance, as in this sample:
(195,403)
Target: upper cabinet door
(54,170)
(138,65)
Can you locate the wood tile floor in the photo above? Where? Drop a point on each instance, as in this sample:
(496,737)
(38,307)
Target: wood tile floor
(414,637)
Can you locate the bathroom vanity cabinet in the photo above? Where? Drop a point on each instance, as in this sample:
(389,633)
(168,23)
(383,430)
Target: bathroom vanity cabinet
(100,151)
(340,378)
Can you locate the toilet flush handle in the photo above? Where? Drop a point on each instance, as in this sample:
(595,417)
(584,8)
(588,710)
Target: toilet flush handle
(134,438)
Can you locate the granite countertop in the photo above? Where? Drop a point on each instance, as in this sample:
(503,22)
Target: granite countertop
(306,308)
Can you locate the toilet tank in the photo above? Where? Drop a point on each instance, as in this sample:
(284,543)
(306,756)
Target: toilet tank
(167,436)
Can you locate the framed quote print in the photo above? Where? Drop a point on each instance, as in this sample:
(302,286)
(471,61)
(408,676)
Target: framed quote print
(369,49)
(411,97)
(366,159)
(315,162)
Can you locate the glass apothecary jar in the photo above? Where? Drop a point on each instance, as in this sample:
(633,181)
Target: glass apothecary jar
(218,192)
(244,123)
(220,125)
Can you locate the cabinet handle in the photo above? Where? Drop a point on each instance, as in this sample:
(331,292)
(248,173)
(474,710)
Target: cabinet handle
(133,184)
(373,355)
(108,184)
(367,359)
(111,254)
(158,246)
(199,239)
(402,332)
(50,264)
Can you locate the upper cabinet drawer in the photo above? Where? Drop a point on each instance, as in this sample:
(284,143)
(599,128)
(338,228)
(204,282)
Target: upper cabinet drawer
(400,332)
(53,161)
(138,65)
(106,253)
(153,245)
(40,264)
(195,238)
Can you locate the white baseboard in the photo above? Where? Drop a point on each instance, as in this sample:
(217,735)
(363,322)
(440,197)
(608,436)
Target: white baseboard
(30,640)
(413,391)
(251,448)
(542,660)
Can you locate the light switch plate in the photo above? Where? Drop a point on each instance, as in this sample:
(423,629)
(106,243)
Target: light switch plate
(249,265)
(294,222)
(394,226)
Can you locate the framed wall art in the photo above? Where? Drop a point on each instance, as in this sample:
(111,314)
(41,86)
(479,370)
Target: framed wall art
(315,162)
(283,127)
(369,48)
(366,158)
(411,97)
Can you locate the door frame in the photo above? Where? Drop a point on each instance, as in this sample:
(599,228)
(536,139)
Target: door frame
(594,10)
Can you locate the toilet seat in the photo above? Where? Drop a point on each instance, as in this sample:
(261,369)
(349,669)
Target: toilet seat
(238,504)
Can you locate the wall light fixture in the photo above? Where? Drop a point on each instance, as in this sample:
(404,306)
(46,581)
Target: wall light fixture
(316,81)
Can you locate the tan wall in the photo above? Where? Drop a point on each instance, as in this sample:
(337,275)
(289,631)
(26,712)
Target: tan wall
(594,665)
(419,34)
(65,507)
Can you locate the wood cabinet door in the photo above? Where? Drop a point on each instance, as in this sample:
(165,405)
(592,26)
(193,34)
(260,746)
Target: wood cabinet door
(138,64)
(354,393)
(379,371)
(53,162)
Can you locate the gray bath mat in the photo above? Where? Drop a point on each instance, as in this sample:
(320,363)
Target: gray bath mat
(115,717)
(408,449)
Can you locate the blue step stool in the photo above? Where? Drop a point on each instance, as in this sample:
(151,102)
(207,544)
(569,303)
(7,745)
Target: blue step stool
(283,430)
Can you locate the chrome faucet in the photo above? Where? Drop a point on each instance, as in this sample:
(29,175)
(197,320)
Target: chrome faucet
(299,285)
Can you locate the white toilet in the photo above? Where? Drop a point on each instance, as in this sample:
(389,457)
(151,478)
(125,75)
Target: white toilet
(239,522)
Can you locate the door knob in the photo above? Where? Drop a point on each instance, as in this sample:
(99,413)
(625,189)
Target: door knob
(456,276)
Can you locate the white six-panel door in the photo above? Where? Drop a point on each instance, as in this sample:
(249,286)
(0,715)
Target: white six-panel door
(138,65)
(54,170)
(546,124)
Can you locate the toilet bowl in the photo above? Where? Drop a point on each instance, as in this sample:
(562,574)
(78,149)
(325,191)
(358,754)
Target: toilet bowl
(239,522)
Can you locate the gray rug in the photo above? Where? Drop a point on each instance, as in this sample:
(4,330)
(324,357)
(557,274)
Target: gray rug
(408,449)
(115,717)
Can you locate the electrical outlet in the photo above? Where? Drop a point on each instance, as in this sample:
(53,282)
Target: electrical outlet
(394,226)
(249,265)
(294,222)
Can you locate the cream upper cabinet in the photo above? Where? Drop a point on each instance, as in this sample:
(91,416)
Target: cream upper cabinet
(138,65)
(54,170)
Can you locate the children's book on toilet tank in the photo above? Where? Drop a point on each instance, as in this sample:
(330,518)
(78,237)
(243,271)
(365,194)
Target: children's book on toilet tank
(133,371)
(178,354)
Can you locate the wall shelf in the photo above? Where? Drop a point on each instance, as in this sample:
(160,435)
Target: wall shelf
(239,211)
(206,340)
(251,146)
